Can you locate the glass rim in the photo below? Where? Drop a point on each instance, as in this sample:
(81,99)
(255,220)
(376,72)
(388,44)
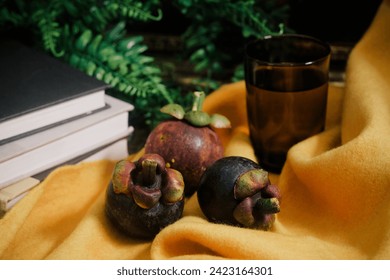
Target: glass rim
(327,50)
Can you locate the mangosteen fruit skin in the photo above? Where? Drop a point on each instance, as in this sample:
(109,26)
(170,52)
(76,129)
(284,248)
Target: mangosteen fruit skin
(137,222)
(216,188)
(144,196)
(237,191)
(186,148)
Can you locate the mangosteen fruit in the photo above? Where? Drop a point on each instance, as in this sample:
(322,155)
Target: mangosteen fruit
(188,143)
(144,196)
(237,191)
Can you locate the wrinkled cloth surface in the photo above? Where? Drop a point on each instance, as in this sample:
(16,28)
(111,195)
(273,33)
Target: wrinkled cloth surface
(335,187)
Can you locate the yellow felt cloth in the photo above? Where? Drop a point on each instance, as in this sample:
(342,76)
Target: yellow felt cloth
(335,187)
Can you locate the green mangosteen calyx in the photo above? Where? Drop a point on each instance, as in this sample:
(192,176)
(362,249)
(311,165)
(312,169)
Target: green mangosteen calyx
(148,181)
(251,189)
(196,116)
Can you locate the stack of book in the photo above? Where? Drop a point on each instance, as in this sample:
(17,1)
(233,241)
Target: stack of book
(52,114)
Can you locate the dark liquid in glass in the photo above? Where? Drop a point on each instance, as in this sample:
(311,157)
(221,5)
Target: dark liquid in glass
(284,107)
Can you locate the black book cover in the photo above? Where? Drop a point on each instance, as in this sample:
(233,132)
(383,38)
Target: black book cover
(31,80)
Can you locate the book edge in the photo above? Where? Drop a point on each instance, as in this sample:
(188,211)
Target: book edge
(27,143)
(109,124)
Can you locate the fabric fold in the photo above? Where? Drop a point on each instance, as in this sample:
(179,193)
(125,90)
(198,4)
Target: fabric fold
(335,187)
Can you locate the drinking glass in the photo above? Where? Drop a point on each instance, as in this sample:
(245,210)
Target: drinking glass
(287,85)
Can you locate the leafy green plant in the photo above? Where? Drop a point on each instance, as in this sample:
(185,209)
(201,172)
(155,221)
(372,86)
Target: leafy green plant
(119,61)
(220,28)
(93,36)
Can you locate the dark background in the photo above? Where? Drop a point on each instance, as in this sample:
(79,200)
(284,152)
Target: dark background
(333,20)
(341,23)
(330,20)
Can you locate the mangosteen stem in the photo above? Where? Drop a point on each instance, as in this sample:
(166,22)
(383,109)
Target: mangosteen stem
(268,205)
(149,172)
(199,97)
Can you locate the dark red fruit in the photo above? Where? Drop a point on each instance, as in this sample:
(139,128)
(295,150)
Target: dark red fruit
(186,148)
(236,191)
(145,196)
(188,144)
